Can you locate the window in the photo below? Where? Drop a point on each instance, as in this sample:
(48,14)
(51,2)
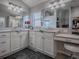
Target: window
(36,19)
(25,20)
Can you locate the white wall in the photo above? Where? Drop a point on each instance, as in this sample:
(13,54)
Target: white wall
(75,11)
(39,7)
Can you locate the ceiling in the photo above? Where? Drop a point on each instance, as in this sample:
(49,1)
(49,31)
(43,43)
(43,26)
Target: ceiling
(32,3)
(4,7)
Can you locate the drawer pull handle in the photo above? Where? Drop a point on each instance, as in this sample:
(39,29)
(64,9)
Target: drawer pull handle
(3,51)
(3,42)
(3,35)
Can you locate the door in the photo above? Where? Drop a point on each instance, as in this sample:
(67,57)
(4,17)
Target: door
(38,41)
(48,43)
(24,39)
(15,41)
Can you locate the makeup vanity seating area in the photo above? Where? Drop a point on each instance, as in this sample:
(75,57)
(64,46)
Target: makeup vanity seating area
(62,39)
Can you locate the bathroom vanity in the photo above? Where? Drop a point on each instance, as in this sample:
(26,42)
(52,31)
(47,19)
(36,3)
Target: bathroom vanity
(12,41)
(43,41)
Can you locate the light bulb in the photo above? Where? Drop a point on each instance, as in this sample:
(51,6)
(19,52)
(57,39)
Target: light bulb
(62,5)
(17,8)
(50,5)
(11,5)
(21,9)
(61,1)
(10,8)
(14,9)
(57,6)
(18,11)
(52,8)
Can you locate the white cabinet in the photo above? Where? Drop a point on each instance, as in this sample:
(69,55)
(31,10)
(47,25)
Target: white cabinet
(48,43)
(24,39)
(42,42)
(4,43)
(38,41)
(32,39)
(15,41)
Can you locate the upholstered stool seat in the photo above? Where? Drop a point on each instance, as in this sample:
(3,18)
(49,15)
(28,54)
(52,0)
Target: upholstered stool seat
(73,48)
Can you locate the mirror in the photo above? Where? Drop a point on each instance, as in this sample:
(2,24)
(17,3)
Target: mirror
(2,22)
(56,18)
(15,21)
(62,18)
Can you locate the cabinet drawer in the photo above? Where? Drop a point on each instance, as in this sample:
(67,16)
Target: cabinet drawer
(4,35)
(60,39)
(4,51)
(3,40)
(4,48)
(73,41)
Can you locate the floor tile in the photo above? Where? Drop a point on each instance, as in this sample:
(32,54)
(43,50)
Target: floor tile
(28,54)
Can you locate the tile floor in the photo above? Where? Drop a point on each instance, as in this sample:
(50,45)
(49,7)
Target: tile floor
(28,54)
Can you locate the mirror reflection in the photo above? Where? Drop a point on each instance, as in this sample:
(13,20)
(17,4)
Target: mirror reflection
(63,18)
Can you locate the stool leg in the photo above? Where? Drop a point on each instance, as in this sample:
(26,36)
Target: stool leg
(71,57)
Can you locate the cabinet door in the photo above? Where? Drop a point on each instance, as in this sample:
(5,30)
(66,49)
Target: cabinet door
(49,43)
(38,41)
(4,46)
(15,41)
(24,39)
(32,39)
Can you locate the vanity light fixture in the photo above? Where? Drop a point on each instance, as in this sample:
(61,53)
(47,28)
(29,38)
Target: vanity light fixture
(61,3)
(15,7)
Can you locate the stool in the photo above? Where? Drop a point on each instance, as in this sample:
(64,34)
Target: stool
(73,48)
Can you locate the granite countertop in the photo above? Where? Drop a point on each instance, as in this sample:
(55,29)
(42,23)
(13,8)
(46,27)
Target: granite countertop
(72,36)
(12,30)
(22,29)
(45,30)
